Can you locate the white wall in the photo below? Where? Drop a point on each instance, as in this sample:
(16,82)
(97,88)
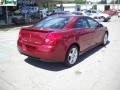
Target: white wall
(73,7)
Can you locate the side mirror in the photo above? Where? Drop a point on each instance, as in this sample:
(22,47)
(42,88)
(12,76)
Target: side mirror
(99,25)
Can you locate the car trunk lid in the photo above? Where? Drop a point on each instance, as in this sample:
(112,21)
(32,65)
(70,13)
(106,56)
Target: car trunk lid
(34,35)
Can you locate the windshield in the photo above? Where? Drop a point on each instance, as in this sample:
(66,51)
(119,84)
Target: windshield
(53,22)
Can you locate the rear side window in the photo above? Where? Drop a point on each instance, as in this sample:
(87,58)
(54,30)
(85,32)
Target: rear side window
(53,22)
(81,23)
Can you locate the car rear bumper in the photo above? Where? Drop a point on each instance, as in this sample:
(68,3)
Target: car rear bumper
(45,53)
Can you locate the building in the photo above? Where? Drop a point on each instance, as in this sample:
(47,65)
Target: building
(0,2)
(25,7)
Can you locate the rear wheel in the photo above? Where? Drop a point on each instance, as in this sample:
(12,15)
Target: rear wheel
(71,56)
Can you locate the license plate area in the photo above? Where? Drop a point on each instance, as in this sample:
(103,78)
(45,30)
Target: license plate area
(30,47)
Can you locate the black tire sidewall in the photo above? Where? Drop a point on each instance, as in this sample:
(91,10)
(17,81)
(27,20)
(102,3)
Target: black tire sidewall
(104,19)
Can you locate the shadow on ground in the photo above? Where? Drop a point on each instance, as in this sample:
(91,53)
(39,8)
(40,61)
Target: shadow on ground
(60,66)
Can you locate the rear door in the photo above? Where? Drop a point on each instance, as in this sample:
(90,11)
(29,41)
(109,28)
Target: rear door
(84,34)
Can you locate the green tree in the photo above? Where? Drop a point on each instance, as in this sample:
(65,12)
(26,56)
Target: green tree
(115,2)
(103,2)
(80,1)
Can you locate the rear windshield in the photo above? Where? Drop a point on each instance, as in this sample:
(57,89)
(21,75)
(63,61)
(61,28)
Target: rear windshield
(52,22)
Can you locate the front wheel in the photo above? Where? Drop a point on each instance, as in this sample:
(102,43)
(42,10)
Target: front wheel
(105,39)
(71,56)
(103,19)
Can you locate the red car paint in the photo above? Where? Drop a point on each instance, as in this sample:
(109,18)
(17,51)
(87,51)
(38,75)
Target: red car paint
(110,11)
(52,44)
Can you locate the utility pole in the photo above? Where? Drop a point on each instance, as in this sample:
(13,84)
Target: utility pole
(6,15)
(86,3)
(114,3)
(118,2)
(96,4)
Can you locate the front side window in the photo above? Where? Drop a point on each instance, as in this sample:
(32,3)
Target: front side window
(81,23)
(92,23)
(53,22)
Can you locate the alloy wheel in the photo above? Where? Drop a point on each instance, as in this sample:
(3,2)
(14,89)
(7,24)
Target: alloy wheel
(105,39)
(72,56)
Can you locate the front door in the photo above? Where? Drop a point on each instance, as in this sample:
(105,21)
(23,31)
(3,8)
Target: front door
(98,32)
(84,34)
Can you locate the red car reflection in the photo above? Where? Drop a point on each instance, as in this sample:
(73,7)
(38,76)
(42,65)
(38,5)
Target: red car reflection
(61,38)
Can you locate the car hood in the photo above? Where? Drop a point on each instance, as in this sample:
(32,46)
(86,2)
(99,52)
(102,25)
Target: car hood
(104,14)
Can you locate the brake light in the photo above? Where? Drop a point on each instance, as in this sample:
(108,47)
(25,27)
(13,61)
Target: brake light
(51,39)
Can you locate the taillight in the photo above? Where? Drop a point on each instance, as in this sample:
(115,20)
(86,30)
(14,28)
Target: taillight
(95,17)
(51,39)
(19,37)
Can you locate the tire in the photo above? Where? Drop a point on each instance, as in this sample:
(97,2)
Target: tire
(30,57)
(104,20)
(105,39)
(71,56)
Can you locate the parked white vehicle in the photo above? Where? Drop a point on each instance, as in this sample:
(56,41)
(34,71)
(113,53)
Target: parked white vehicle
(94,16)
(103,16)
(118,13)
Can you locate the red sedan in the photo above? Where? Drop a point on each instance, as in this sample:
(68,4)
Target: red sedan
(61,38)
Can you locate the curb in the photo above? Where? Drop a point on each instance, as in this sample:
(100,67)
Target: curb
(13,26)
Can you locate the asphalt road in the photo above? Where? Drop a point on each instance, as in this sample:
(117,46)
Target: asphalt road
(98,69)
